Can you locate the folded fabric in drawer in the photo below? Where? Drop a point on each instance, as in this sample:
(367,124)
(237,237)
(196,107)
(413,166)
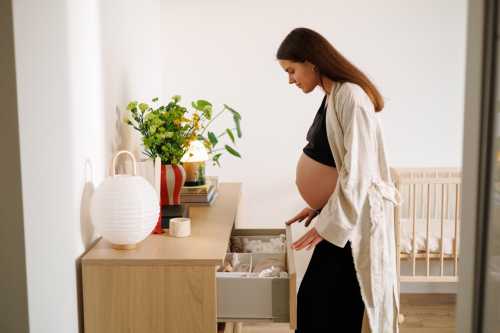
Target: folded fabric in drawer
(236,262)
(258,244)
(269,265)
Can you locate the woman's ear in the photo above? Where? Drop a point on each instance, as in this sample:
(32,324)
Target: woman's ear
(312,66)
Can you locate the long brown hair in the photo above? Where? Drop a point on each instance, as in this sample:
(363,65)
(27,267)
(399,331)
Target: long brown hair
(303,44)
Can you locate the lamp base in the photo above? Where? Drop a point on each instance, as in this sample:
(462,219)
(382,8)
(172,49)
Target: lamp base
(195,173)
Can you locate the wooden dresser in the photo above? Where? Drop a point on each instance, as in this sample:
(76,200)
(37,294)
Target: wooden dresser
(170,284)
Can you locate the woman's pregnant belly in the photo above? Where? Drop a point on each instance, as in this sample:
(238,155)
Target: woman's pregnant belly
(315,181)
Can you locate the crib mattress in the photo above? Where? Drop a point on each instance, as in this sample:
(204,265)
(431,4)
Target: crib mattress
(406,232)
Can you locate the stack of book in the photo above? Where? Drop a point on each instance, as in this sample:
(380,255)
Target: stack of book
(203,195)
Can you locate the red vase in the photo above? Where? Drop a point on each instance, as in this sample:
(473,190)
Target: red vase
(173,177)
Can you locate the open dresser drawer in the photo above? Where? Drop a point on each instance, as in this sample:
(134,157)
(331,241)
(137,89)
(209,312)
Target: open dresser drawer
(264,286)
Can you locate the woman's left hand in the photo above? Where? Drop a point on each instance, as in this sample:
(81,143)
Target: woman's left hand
(309,239)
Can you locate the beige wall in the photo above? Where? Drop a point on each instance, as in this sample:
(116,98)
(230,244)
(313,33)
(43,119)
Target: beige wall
(13,296)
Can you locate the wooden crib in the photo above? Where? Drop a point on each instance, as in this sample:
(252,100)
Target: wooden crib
(428,223)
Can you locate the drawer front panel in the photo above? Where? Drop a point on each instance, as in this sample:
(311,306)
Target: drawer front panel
(252,298)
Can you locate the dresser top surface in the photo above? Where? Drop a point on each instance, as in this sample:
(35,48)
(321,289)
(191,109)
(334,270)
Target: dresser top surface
(211,228)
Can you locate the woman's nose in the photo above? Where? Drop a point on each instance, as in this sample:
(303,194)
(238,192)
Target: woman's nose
(291,80)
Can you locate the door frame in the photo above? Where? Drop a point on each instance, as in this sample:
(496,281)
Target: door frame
(477,163)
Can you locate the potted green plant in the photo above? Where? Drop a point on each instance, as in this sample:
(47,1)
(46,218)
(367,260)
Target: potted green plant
(168,131)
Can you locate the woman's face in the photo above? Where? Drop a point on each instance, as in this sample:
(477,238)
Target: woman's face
(302,74)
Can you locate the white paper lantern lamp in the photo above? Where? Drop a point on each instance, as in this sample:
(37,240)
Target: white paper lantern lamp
(124,208)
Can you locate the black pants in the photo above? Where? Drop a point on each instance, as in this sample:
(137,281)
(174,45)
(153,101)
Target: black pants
(329,299)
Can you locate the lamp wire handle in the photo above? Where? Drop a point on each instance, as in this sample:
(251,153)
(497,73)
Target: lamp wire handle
(130,155)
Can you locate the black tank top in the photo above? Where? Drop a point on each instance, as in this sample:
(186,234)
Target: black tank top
(318,148)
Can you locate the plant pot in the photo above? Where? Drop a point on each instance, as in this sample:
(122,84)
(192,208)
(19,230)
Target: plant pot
(173,177)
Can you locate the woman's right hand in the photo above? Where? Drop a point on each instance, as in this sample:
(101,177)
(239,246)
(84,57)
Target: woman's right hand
(307,212)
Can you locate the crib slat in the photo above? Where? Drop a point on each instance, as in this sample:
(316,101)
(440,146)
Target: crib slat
(449,208)
(397,221)
(413,215)
(427,250)
(422,202)
(443,205)
(434,213)
(455,243)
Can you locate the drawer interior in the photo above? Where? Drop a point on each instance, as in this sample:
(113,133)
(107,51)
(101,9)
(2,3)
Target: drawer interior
(256,280)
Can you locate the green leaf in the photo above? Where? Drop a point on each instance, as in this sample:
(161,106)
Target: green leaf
(212,138)
(238,127)
(132,105)
(143,107)
(201,104)
(215,159)
(176,98)
(232,151)
(230,133)
(236,118)
(204,106)
(233,111)
(155,99)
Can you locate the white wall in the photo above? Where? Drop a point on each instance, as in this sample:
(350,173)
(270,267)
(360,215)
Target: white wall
(77,62)
(225,51)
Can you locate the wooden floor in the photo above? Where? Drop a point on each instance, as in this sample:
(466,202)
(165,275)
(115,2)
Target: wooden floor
(430,313)
(424,313)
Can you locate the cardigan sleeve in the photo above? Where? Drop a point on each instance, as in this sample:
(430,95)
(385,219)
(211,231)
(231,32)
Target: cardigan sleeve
(342,211)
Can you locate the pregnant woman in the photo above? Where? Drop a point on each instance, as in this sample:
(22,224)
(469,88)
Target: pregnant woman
(350,284)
